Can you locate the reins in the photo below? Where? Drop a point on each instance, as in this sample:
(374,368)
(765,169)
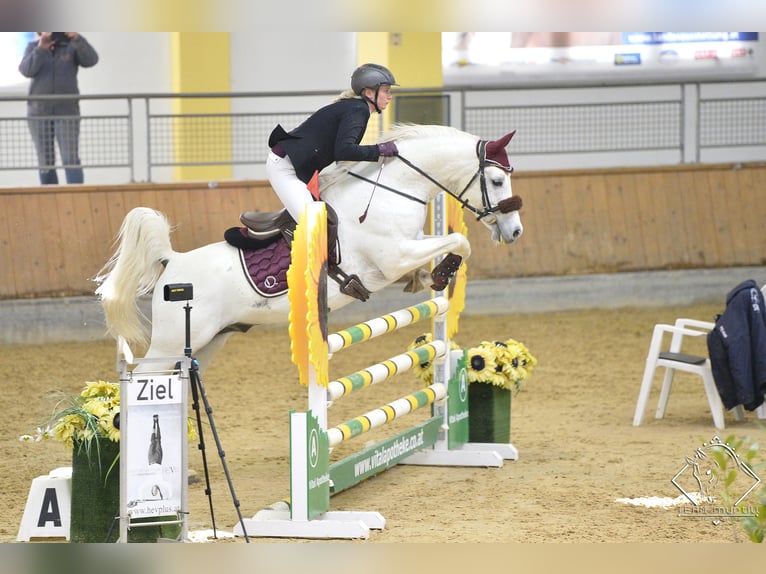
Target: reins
(507,205)
(391,189)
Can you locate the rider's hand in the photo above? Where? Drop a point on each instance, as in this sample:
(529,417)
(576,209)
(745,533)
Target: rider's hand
(387,149)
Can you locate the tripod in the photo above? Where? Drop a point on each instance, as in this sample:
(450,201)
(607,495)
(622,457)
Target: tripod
(197,391)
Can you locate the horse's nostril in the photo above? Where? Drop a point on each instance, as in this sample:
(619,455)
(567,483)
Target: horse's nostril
(516,233)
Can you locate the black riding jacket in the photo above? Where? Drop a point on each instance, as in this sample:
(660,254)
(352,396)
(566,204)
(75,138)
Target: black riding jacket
(737,347)
(330,134)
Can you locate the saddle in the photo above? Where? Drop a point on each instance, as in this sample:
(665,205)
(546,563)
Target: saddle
(264,228)
(267,226)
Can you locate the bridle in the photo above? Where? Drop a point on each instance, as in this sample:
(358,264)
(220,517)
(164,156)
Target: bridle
(506,205)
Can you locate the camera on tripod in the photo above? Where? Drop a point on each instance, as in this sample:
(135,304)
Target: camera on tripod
(185,292)
(179,292)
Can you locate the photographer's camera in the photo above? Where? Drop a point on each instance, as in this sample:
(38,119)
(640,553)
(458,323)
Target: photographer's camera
(60,38)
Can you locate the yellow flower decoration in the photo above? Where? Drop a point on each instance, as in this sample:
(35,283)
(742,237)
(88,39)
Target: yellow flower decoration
(307,278)
(423,371)
(481,364)
(87,418)
(316,298)
(190,430)
(101,389)
(505,364)
(296,280)
(456,289)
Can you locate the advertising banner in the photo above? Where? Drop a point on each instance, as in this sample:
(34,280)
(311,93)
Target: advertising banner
(519,58)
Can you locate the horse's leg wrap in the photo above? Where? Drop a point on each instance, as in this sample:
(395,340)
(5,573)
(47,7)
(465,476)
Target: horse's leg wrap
(445,270)
(350,285)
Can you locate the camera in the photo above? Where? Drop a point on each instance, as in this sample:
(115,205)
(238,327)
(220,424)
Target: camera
(59,38)
(179,292)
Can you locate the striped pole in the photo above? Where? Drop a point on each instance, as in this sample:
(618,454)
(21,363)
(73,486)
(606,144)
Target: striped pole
(387,323)
(385,370)
(385,414)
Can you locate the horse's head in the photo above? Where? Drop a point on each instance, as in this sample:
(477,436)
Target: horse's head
(475,172)
(500,208)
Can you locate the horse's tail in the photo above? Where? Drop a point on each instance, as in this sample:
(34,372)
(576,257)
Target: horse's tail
(143,250)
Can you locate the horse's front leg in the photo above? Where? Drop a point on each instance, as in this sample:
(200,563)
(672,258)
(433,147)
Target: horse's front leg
(413,253)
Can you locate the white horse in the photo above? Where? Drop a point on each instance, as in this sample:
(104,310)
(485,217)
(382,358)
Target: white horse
(385,246)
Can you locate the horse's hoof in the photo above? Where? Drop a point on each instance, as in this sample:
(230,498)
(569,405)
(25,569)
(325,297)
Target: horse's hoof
(417,282)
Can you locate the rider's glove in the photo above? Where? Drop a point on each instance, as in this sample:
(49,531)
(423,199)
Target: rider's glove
(388,149)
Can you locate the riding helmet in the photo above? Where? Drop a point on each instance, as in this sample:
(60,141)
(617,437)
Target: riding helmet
(371,76)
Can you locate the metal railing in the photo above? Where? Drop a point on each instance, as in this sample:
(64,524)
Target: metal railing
(558,127)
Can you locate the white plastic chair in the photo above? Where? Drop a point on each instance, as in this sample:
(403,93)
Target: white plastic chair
(675,360)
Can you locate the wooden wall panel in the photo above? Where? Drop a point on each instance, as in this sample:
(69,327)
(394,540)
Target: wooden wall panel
(623,232)
(8,286)
(710,249)
(691,218)
(603,230)
(70,256)
(720,214)
(752,226)
(31,249)
(55,239)
(10,245)
(638,257)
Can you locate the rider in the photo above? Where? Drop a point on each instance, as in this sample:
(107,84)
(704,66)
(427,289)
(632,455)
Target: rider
(330,134)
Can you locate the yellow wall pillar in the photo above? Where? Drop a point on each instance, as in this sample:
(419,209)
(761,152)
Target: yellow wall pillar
(201,63)
(415,59)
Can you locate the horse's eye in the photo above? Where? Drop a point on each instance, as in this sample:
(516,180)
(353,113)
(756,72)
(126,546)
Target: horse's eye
(498,182)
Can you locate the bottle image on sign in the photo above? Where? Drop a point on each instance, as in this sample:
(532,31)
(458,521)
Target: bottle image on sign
(155,445)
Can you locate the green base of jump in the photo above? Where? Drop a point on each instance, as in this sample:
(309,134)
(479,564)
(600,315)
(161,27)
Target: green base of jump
(383,455)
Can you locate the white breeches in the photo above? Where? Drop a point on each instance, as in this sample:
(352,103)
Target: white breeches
(291,191)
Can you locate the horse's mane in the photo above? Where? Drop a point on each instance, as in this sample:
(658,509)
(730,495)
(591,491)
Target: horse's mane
(398,132)
(405,131)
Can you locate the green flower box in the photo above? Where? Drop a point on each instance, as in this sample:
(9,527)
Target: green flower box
(96,499)
(490,413)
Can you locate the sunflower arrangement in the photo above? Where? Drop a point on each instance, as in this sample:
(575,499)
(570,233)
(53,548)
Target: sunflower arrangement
(425,371)
(85,419)
(506,364)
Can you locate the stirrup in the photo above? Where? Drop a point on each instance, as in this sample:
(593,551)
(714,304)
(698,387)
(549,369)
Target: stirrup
(350,285)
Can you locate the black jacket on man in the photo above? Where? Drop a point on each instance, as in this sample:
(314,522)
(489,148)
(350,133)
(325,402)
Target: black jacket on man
(330,134)
(737,347)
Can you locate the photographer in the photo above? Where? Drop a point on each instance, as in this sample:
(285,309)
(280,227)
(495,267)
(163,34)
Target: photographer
(52,62)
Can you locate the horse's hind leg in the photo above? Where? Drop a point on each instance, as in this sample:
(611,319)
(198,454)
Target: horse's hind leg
(205,355)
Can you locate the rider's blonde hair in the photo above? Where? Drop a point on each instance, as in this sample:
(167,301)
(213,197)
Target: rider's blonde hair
(346,94)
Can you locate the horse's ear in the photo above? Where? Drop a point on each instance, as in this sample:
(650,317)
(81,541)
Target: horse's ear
(503,141)
(496,150)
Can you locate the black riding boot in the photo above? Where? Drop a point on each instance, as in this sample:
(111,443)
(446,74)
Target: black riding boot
(349,284)
(333,250)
